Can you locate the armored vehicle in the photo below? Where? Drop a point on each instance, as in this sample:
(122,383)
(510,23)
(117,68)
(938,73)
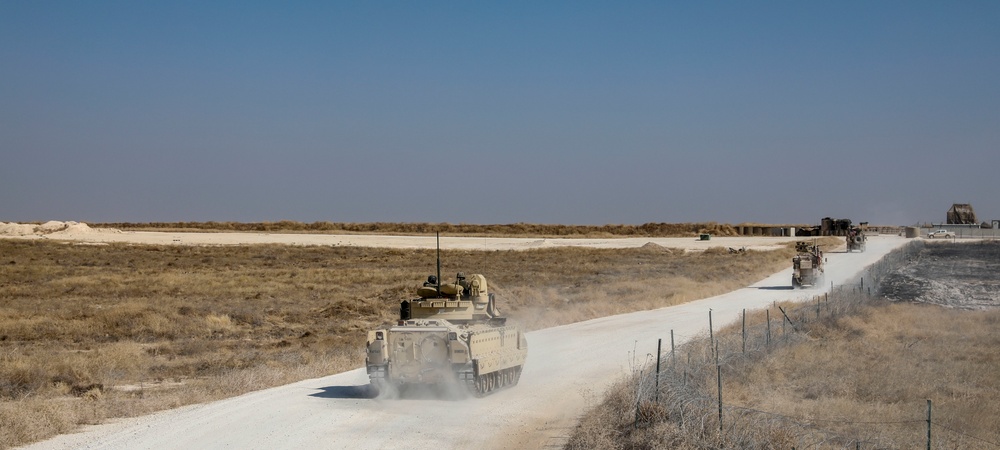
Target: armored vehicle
(807,265)
(856,239)
(451,334)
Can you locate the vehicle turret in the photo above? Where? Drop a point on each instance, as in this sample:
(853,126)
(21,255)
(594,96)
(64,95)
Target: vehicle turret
(466,300)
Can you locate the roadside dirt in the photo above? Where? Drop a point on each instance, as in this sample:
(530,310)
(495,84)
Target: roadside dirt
(961,275)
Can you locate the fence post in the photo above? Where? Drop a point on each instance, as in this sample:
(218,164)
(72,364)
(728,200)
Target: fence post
(656,396)
(768,314)
(718,370)
(711,334)
(787,318)
(673,356)
(744,331)
(928,424)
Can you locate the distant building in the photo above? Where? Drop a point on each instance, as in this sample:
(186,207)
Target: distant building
(961,214)
(835,227)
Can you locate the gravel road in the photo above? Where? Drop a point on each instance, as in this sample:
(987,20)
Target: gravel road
(567,370)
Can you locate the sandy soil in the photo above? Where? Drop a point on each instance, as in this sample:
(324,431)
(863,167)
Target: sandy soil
(567,370)
(80,232)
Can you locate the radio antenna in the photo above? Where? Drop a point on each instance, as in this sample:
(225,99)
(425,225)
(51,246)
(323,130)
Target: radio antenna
(437,235)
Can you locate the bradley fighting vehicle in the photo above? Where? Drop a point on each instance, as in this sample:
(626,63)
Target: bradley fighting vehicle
(856,239)
(807,265)
(450,334)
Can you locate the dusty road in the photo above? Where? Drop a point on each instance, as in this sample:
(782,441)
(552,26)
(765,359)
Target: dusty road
(568,368)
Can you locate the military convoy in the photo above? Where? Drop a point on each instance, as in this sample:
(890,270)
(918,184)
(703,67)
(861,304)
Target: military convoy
(450,335)
(856,239)
(807,265)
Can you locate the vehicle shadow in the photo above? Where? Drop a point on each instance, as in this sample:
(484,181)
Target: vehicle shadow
(405,393)
(775,288)
(363,391)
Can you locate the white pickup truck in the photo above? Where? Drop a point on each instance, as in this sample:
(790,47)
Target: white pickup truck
(940,233)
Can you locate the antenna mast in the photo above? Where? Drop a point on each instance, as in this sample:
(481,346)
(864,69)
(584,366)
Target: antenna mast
(437,235)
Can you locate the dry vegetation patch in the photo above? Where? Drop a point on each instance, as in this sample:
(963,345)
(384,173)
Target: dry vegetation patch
(860,379)
(91,332)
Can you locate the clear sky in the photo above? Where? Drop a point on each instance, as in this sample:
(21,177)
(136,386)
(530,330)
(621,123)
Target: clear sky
(499,112)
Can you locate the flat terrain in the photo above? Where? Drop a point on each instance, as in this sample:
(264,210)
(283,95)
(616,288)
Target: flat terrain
(568,368)
(953,274)
(140,327)
(105,236)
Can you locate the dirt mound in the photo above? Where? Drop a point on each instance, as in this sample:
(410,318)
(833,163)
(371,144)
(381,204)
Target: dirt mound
(50,227)
(16,229)
(654,247)
(76,228)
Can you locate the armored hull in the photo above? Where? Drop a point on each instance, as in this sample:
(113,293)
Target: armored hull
(480,357)
(445,338)
(856,240)
(807,265)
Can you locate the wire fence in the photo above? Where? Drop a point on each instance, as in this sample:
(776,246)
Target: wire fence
(685,387)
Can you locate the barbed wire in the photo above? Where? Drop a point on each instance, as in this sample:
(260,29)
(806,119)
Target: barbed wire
(850,422)
(708,406)
(963,433)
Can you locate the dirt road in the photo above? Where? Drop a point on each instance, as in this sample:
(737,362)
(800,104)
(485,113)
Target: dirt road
(567,370)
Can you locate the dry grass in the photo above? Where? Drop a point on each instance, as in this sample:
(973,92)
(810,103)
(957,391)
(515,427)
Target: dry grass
(857,378)
(92,332)
(881,365)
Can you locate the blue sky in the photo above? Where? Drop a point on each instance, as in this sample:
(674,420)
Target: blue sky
(475,112)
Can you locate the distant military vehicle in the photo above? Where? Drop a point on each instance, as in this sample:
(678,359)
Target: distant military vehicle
(856,239)
(807,265)
(451,334)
